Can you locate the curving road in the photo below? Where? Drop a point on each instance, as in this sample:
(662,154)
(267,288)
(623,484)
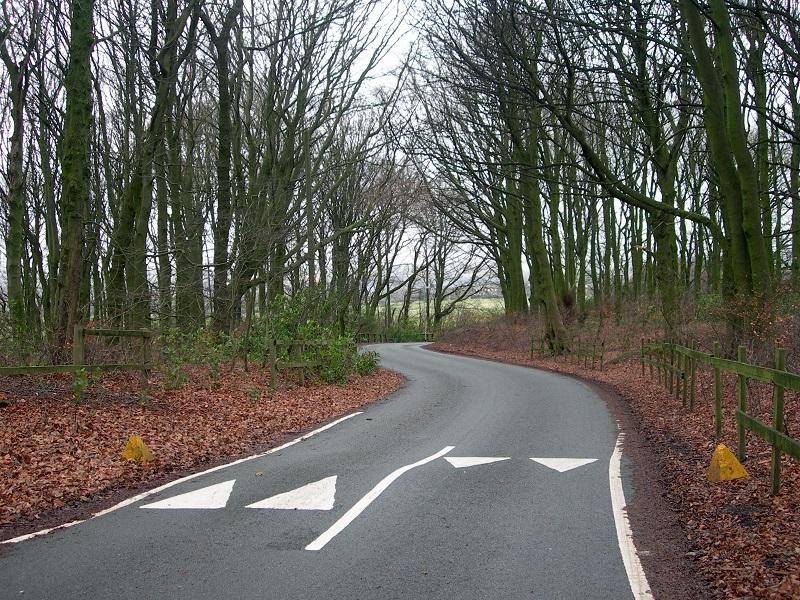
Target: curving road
(387,515)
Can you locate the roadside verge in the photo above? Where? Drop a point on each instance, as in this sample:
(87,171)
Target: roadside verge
(60,460)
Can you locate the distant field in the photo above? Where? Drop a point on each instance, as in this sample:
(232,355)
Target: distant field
(487,304)
(485,307)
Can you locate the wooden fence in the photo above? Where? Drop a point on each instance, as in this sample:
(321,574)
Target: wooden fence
(381,338)
(294,354)
(80,334)
(676,367)
(292,358)
(592,352)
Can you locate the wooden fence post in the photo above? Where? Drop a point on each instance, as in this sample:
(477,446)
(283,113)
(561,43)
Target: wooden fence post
(693,367)
(740,429)
(273,367)
(299,352)
(642,357)
(78,346)
(655,356)
(685,377)
(145,373)
(777,423)
(717,394)
(671,369)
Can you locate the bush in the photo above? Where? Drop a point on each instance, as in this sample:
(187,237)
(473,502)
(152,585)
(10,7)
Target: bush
(337,359)
(82,381)
(20,347)
(203,347)
(366,363)
(289,320)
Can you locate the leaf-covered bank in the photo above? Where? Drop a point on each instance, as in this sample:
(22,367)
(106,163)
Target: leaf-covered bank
(56,454)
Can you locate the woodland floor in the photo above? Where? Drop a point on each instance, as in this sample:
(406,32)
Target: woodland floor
(60,460)
(744,542)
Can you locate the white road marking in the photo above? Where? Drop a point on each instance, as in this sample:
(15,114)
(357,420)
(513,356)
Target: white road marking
(470,461)
(633,567)
(318,495)
(563,465)
(161,488)
(364,502)
(211,497)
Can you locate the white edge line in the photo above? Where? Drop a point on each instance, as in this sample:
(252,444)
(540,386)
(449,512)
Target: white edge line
(161,488)
(364,502)
(633,567)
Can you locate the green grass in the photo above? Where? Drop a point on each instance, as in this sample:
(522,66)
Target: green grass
(479,307)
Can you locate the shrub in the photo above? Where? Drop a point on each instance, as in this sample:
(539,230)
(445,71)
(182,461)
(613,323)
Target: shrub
(174,375)
(290,319)
(203,347)
(366,362)
(337,359)
(81,381)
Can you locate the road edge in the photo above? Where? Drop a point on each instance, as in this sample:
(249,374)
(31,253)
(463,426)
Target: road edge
(627,548)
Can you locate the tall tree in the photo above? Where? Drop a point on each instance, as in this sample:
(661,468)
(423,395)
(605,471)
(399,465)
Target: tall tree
(71,304)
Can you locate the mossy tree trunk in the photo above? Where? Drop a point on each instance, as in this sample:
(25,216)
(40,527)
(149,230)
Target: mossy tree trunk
(75,168)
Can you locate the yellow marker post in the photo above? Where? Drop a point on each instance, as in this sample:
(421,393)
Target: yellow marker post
(136,450)
(725,466)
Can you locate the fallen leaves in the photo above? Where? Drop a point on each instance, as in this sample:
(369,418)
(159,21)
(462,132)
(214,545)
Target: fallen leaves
(55,453)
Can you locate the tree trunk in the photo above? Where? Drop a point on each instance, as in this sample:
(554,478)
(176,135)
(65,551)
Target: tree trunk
(75,166)
(15,238)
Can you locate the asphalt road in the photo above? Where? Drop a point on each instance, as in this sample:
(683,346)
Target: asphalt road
(512,528)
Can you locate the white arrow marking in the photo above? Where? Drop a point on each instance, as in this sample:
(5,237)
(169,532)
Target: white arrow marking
(563,464)
(470,461)
(318,495)
(361,505)
(213,496)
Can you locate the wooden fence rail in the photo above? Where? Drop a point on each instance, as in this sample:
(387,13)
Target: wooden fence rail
(379,338)
(80,333)
(678,365)
(294,359)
